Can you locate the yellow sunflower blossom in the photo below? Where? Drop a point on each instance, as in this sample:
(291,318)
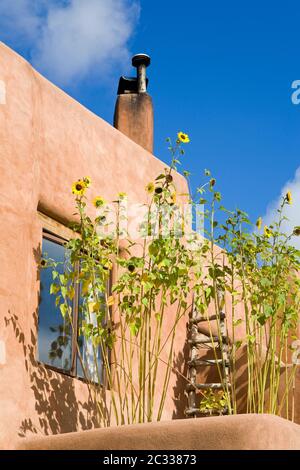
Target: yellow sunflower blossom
(122,195)
(98,201)
(173,198)
(258,223)
(267,232)
(182,137)
(289,198)
(150,187)
(79,187)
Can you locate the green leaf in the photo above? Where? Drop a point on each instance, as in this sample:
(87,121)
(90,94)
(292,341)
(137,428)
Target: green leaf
(251,339)
(153,249)
(64,291)
(135,327)
(64,309)
(54,288)
(71,292)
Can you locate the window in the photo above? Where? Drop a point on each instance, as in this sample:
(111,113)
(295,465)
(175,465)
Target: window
(58,338)
(55,332)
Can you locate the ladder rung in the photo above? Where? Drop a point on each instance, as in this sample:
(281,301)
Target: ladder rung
(202,318)
(197,411)
(206,362)
(206,340)
(213,386)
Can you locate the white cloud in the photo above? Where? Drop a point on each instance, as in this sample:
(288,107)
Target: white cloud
(70,39)
(19,21)
(292,212)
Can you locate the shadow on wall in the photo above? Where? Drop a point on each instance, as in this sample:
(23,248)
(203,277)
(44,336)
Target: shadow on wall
(56,403)
(55,399)
(180,398)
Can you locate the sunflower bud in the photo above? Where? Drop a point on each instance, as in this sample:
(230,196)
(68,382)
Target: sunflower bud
(288,197)
(296,231)
(169,178)
(258,223)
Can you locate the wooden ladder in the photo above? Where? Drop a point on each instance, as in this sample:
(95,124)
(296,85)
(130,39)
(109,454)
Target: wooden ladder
(196,339)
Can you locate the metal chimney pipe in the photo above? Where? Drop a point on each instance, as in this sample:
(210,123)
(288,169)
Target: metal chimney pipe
(134,110)
(141,62)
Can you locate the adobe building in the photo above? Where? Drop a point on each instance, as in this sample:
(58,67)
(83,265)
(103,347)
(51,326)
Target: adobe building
(48,141)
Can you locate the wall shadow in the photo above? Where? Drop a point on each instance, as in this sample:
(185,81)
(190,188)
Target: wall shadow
(180,364)
(56,404)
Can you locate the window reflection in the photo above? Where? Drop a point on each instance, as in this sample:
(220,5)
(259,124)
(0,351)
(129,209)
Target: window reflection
(56,347)
(91,356)
(55,332)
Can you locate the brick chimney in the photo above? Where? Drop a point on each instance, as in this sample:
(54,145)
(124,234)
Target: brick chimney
(134,111)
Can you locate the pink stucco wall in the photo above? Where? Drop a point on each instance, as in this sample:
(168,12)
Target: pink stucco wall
(48,140)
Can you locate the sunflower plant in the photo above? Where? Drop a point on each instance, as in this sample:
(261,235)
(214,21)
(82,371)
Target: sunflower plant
(251,267)
(256,271)
(128,320)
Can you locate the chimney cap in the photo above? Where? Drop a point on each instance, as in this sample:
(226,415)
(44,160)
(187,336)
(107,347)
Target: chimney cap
(128,85)
(141,59)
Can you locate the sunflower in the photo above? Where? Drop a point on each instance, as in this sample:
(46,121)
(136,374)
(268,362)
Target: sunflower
(131,267)
(122,195)
(182,137)
(79,187)
(258,223)
(87,180)
(288,197)
(150,187)
(267,232)
(43,263)
(98,201)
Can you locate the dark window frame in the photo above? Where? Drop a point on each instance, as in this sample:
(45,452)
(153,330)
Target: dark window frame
(72,372)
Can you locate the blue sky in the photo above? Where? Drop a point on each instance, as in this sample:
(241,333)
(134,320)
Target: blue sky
(221,71)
